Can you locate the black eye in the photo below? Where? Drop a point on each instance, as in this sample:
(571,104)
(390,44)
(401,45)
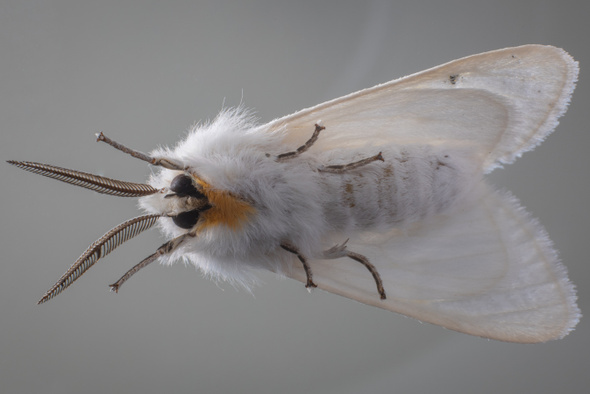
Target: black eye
(183,186)
(186,219)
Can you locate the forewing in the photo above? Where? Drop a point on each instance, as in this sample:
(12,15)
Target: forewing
(487,270)
(502,102)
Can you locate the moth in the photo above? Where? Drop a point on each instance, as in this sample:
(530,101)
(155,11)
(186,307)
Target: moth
(378,196)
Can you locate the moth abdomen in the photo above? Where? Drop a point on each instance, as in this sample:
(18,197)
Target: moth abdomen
(413,183)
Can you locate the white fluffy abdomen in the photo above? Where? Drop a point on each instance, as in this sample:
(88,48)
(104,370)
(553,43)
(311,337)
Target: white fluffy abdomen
(412,183)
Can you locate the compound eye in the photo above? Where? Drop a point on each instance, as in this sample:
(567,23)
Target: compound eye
(186,219)
(183,186)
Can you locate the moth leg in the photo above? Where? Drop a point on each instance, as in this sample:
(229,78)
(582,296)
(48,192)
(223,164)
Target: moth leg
(293,249)
(341,168)
(166,248)
(156,161)
(338,251)
(304,147)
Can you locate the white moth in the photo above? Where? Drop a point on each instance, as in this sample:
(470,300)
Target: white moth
(378,196)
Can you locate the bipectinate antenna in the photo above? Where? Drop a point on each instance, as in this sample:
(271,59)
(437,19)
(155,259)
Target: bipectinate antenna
(97,183)
(100,248)
(127,230)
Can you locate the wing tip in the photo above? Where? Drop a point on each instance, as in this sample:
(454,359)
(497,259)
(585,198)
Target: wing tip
(571,70)
(567,311)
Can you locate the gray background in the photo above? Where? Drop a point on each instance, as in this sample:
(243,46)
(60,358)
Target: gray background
(143,71)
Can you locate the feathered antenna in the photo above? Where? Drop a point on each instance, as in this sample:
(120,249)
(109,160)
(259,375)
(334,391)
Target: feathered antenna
(119,234)
(100,248)
(97,183)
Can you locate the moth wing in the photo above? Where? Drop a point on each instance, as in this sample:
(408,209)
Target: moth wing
(503,102)
(487,270)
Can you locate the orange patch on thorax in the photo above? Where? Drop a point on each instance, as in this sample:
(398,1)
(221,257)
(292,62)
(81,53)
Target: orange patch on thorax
(226,209)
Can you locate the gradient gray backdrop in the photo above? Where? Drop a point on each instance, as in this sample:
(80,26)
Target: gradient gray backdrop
(143,71)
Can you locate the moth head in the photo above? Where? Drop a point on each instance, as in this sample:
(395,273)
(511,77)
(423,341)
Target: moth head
(182,200)
(186,201)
